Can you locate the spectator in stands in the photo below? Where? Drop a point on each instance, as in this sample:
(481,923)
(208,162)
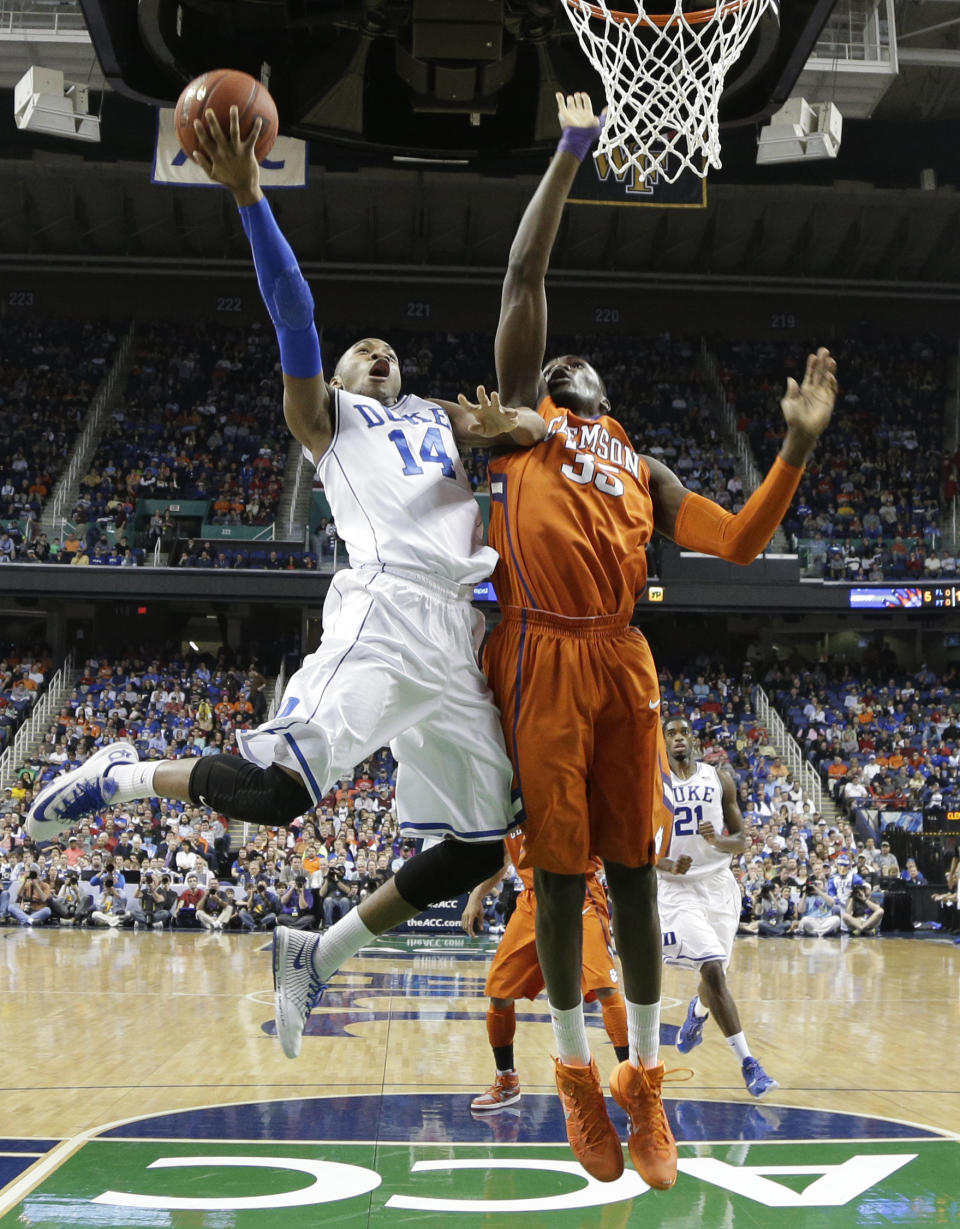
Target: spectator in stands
(184,912)
(912,875)
(886,863)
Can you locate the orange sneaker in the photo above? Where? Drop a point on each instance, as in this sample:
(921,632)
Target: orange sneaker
(652,1146)
(590,1132)
(505,1090)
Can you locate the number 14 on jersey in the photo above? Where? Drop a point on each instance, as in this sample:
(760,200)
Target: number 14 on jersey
(432,452)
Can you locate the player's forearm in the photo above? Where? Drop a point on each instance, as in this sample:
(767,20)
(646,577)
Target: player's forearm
(530,429)
(285,293)
(485,888)
(730,844)
(797,447)
(702,525)
(533,242)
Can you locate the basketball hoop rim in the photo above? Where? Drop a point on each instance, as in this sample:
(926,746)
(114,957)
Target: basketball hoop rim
(660,21)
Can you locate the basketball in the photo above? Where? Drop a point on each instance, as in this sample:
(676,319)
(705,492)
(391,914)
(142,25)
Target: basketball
(218,91)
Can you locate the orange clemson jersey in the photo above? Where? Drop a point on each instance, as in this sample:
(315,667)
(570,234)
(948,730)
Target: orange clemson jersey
(570,518)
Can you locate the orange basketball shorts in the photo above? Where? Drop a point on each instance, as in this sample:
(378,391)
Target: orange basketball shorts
(580,705)
(515,972)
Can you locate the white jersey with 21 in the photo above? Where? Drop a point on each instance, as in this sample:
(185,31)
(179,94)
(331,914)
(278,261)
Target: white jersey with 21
(697,799)
(398,491)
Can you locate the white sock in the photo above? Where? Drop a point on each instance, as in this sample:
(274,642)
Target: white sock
(643,1033)
(738,1043)
(699,1010)
(570,1034)
(343,940)
(134,780)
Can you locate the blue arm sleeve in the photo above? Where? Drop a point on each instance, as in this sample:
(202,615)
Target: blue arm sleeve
(285,293)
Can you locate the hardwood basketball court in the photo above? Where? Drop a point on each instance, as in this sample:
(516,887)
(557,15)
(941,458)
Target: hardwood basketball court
(127,1051)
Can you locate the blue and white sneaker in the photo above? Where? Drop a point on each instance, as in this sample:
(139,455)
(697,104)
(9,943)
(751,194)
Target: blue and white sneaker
(691,1030)
(296,987)
(74,795)
(756,1079)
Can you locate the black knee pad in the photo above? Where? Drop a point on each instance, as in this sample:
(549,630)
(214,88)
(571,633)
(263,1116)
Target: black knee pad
(239,789)
(447,870)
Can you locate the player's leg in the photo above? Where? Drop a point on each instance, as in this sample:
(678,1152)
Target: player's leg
(514,973)
(715,995)
(633,891)
(614,1019)
(426,696)
(600,975)
(541,687)
(627,810)
(501,1029)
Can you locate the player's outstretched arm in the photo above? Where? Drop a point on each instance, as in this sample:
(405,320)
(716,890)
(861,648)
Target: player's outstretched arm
(486,421)
(230,161)
(700,524)
(522,330)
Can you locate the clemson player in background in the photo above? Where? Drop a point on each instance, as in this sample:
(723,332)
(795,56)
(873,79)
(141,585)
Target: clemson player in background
(515,972)
(576,684)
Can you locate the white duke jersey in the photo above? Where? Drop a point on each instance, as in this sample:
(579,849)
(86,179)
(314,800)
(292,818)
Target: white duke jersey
(696,800)
(398,492)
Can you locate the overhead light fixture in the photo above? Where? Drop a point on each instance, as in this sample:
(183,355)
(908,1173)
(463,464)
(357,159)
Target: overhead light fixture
(801,132)
(44,102)
(193,644)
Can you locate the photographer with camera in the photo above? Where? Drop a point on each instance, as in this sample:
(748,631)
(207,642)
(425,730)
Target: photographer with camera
(216,909)
(296,905)
(770,911)
(70,903)
(862,915)
(337,901)
(261,909)
(31,904)
(154,899)
(112,907)
(819,912)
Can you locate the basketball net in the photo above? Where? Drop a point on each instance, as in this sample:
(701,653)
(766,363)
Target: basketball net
(663,76)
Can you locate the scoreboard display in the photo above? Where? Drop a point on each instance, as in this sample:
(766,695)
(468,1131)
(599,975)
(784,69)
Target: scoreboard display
(919,597)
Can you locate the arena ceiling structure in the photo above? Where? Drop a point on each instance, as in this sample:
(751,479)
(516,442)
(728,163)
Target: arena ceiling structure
(466,90)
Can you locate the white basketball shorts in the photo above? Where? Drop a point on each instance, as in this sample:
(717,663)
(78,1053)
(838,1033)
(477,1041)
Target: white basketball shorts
(397,665)
(698,918)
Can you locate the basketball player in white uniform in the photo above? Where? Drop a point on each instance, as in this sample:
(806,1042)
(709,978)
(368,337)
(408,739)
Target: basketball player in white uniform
(397,663)
(697,895)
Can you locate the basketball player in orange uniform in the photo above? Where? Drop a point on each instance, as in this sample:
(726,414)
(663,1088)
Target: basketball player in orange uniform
(576,685)
(515,972)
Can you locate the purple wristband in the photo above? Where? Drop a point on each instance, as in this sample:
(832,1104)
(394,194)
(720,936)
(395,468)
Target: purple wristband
(577,141)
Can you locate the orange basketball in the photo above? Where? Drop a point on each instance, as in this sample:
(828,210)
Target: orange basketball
(218,91)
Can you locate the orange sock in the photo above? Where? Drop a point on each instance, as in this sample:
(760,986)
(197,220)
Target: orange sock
(615,1018)
(502,1025)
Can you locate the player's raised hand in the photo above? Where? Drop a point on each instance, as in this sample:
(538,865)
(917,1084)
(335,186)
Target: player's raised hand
(226,158)
(807,407)
(487,417)
(576,111)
